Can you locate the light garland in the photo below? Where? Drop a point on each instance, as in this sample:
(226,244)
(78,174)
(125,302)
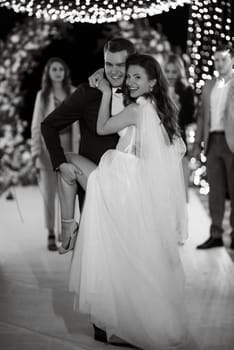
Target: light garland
(92,11)
(209,25)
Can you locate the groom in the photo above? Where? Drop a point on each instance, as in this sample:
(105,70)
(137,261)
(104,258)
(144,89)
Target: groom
(83,105)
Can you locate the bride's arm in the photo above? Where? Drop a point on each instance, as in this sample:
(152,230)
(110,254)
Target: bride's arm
(107,125)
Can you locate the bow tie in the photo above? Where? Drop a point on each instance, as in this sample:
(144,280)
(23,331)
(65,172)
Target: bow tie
(118,91)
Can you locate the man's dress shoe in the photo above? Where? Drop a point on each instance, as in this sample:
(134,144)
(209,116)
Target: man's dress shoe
(99,334)
(211,242)
(116,341)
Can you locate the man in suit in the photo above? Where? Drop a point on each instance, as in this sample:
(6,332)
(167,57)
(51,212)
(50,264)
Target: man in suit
(83,105)
(215,128)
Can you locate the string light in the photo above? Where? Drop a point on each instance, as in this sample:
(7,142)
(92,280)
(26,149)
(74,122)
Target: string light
(92,11)
(209,25)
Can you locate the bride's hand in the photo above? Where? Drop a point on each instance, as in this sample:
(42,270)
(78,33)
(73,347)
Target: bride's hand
(104,86)
(96,77)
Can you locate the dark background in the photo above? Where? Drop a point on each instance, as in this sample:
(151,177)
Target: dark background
(82,50)
(174,24)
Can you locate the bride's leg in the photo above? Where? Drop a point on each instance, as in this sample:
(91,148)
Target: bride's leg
(67,192)
(67,196)
(85,165)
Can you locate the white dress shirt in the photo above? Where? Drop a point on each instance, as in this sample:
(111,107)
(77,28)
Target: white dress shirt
(117,102)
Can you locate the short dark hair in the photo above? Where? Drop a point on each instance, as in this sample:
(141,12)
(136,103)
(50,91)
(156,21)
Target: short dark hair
(225,47)
(119,44)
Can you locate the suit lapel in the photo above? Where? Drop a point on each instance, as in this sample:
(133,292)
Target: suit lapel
(229,116)
(230,95)
(207,105)
(210,87)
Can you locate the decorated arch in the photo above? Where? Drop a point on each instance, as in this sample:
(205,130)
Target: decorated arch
(20,55)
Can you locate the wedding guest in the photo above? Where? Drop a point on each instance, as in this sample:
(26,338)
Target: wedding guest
(183,96)
(215,128)
(55,87)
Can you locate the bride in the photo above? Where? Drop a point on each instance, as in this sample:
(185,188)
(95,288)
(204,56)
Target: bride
(126,271)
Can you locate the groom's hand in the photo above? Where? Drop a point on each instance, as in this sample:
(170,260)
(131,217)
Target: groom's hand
(69,172)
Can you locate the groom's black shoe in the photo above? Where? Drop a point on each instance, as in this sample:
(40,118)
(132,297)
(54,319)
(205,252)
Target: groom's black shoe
(99,334)
(116,341)
(211,242)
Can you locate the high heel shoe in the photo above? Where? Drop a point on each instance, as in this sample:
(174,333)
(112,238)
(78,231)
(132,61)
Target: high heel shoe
(71,241)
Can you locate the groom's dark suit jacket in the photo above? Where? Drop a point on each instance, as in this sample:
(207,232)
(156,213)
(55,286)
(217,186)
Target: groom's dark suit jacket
(82,105)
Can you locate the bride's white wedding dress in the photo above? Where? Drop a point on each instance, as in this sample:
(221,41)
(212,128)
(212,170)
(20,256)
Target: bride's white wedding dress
(126,271)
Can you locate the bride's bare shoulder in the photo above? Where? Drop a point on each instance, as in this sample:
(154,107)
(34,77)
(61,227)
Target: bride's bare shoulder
(133,108)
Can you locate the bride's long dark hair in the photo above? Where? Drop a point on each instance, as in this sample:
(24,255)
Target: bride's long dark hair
(166,108)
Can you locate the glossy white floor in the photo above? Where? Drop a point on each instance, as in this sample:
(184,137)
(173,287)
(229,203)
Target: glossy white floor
(36,308)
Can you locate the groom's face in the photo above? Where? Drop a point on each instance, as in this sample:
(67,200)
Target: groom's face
(115,67)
